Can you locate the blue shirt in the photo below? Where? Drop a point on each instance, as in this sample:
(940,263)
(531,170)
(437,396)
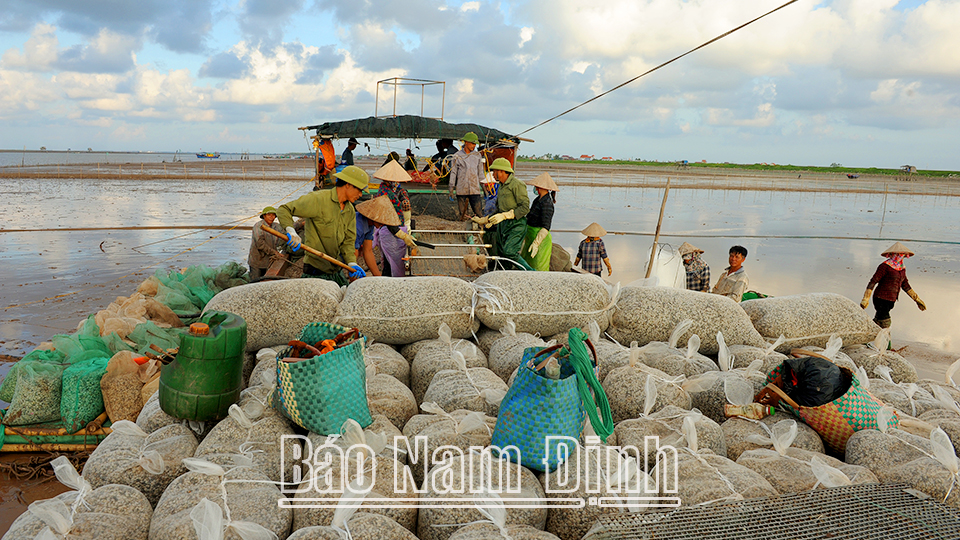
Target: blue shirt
(364,230)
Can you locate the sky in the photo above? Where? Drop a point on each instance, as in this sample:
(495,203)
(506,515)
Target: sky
(857,82)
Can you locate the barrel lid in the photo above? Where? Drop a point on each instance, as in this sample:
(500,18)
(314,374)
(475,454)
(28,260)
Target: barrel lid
(199,329)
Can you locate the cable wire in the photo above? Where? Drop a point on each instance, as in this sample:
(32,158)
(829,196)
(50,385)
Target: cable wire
(672,60)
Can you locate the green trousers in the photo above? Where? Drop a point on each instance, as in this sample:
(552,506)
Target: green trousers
(506,238)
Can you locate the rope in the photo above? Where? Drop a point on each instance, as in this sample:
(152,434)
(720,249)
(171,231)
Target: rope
(116,280)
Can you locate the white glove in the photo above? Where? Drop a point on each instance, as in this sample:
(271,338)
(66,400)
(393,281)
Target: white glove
(293,239)
(535,245)
(406,219)
(497,218)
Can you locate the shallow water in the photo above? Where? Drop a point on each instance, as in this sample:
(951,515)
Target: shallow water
(851,230)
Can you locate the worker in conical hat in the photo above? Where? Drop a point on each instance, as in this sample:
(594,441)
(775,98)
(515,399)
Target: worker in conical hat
(890,277)
(263,247)
(592,251)
(382,229)
(508,227)
(538,244)
(391,175)
(698,272)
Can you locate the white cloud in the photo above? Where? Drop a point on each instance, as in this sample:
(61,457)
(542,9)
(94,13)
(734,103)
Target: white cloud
(470,6)
(39,51)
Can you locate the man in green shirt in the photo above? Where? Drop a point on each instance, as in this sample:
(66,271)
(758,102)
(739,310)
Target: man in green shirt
(508,227)
(331,225)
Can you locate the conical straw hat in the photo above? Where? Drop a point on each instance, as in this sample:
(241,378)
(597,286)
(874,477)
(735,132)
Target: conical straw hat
(381,210)
(544,181)
(689,248)
(392,171)
(594,229)
(897,247)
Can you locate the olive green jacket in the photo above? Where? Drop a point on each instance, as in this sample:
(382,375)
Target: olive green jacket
(328,228)
(513,196)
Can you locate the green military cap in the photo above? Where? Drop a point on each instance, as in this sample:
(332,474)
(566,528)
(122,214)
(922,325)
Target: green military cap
(355,176)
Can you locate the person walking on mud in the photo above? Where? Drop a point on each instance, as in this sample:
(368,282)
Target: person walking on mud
(890,277)
(465,175)
(331,225)
(263,246)
(508,227)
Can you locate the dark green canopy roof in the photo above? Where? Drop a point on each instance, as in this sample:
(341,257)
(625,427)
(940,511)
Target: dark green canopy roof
(407,127)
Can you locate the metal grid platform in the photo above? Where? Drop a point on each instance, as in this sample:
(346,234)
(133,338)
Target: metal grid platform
(859,512)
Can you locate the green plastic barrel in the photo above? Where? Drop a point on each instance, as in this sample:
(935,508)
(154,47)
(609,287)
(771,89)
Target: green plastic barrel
(207,374)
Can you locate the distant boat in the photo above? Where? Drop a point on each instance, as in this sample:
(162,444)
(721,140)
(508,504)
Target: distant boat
(284,156)
(208,155)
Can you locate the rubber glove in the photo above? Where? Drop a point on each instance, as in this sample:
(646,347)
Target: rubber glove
(535,245)
(866,299)
(609,267)
(916,298)
(407,219)
(293,239)
(480,220)
(452,196)
(358,272)
(497,218)
(407,239)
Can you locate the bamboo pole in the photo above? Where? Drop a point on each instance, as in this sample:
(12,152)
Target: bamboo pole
(656,236)
(48,447)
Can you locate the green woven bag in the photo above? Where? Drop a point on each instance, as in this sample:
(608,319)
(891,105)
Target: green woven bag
(321,393)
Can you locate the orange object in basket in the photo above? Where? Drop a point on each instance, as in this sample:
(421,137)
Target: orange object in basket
(328,345)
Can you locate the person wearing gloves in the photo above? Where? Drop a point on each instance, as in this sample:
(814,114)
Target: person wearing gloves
(388,234)
(592,251)
(508,227)
(330,225)
(890,277)
(263,246)
(538,244)
(698,272)
(466,172)
(391,175)
(490,187)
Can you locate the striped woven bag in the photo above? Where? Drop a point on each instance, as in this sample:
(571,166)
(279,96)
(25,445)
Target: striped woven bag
(322,392)
(836,421)
(536,407)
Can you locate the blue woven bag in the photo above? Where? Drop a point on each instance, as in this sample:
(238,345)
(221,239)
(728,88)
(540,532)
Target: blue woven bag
(536,407)
(322,392)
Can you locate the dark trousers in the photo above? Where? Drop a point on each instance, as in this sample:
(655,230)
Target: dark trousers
(882,317)
(465,202)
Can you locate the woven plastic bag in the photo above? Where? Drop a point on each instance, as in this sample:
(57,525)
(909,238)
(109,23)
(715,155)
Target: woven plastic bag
(81,399)
(837,420)
(536,406)
(321,393)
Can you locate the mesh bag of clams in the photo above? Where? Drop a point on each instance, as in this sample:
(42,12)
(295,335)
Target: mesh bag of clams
(474,473)
(671,427)
(112,512)
(147,462)
(388,361)
(152,418)
(473,389)
(637,390)
(810,319)
(544,303)
(437,428)
(645,314)
(258,437)
(792,470)
(871,356)
(212,502)
(438,355)
(356,526)
(389,397)
(505,353)
(356,460)
(671,360)
(494,526)
(425,302)
(712,390)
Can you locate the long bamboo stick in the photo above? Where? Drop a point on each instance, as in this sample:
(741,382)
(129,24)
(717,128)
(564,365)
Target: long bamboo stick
(656,237)
(48,447)
(310,250)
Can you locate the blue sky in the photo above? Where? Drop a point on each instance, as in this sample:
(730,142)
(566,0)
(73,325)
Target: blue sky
(858,82)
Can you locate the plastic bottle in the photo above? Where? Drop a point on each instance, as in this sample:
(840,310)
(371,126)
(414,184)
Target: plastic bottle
(755,411)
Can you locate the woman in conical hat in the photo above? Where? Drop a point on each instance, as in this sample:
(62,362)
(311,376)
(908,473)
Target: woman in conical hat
(592,251)
(382,229)
(391,175)
(538,244)
(889,279)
